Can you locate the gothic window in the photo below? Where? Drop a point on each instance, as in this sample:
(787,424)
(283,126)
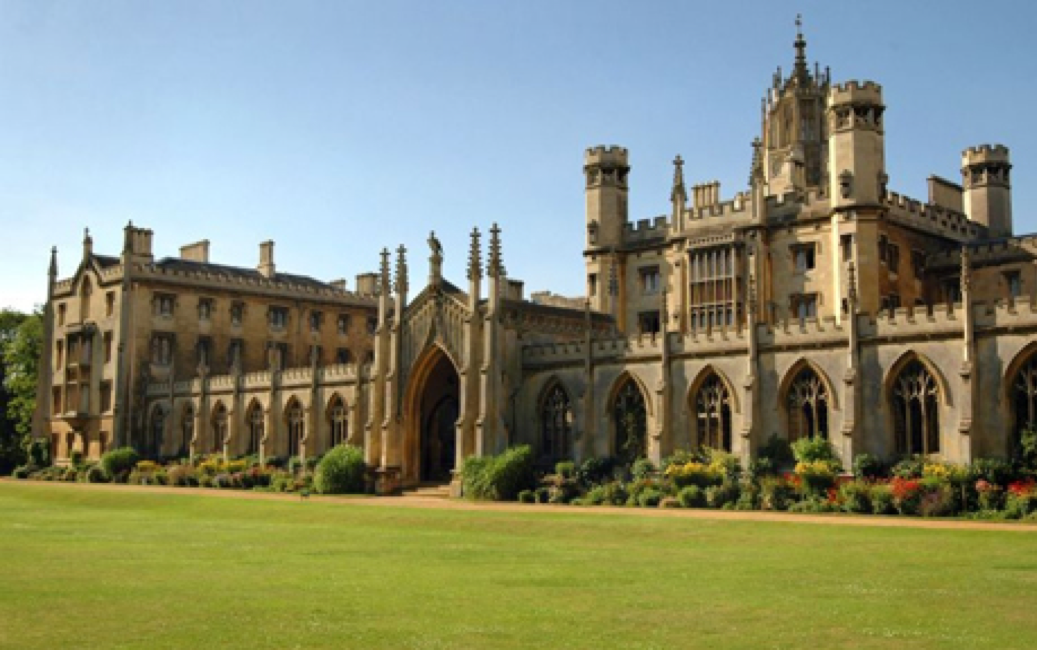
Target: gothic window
(803,305)
(107,339)
(219,427)
(630,419)
(236,353)
(204,350)
(186,429)
(338,423)
(807,403)
(109,303)
(711,294)
(59,348)
(556,423)
(846,244)
(893,258)
(106,396)
(296,426)
(61,314)
(255,421)
(916,422)
(1024,393)
(162,349)
(713,414)
(592,284)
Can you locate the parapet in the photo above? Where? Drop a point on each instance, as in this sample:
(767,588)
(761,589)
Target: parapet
(985,154)
(644,229)
(608,156)
(856,93)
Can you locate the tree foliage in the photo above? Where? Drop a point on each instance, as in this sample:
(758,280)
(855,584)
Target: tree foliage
(21,344)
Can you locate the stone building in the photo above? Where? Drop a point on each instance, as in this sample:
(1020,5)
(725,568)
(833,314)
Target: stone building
(814,302)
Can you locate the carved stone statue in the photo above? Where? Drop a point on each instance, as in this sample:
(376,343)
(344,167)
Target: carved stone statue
(434,245)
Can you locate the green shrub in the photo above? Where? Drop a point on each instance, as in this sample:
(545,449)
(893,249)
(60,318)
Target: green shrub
(993,470)
(610,494)
(1020,505)
(527,496)
(205,480)
(866,466)
(719,496)
(680,457)
(21,472)
(813,449)
(69,475)
(276,462)
(75,458)
(182,476)
(989,496)
(543,494)
(938,500)
(760,467)
(777,451)
(692,497)
(118,463)
(749,496)
(776,493)
(642,469)
(595,471)
(649,497)
(814,505)
(499,478)
(909,467)
(341,471)
(1026,451)
(881,497)
(94,474)
(855,496)
(566,469)
(38,451)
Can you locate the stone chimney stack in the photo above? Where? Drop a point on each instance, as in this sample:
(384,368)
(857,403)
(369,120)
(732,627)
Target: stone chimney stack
(196,252)
(266,266)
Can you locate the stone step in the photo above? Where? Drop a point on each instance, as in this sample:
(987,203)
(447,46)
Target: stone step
(429,490)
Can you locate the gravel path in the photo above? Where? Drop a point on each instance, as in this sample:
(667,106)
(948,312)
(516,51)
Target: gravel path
(456,504)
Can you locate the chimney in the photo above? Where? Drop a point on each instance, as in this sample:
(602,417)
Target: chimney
(367,284)
(266,266)
(339,284)
(196,252)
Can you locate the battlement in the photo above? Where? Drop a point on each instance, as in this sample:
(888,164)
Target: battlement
(988,252)
(735,207)
(611,155)
(796,332)
(855,93)
(644,229)
(796,203)
(931,218)
(985,154)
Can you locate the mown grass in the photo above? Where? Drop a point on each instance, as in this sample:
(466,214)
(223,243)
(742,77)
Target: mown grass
(115,569)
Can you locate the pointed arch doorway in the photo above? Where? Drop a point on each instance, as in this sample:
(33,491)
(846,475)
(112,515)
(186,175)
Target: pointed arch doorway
(432,411)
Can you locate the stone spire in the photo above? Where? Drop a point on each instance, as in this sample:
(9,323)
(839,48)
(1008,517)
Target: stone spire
(679,195)
(88,244)
(475,257)
(53,270)
(401,270)
(496,265)
(800,72)
(383,276)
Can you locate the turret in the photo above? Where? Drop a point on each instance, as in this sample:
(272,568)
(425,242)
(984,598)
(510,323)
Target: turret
(137,244)
(856,145)
(606,170)
(988,191)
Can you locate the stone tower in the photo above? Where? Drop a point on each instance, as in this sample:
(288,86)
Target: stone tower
(794,146)
(606,170)
(988,192)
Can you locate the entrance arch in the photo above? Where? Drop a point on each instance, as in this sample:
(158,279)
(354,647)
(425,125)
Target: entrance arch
(433,406)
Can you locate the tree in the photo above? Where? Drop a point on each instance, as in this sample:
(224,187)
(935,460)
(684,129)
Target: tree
(21,344)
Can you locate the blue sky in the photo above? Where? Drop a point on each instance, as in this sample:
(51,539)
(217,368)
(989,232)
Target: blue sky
(337,128)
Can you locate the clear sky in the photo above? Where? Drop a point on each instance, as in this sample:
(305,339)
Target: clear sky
(337,128)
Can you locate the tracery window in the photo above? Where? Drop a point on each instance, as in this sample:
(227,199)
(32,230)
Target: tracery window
(713,414)
(556,423)
(629,417)
(916,424)
(1024,390)
(219,427)
(296,425)
(807,402)
(338,423)
(256,421)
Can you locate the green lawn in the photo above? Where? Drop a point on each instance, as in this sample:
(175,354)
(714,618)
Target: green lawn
(115,569)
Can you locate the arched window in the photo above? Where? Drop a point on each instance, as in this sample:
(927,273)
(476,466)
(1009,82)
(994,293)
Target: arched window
(219,427)
(807,403)
(630,420)
(186,430)
(255,421)
(157,430)
(916,423)
(296,422)
(338,423)
(713,414)
(556,423)
(1024,394)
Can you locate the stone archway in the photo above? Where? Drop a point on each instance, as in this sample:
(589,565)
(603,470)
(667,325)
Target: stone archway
(432,411)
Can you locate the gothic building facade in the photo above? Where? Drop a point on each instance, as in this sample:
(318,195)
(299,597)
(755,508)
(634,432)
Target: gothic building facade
(816,302)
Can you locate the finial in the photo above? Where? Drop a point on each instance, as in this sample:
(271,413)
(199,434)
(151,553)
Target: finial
(800,73)
(475,257)
(88,243)
(496,266)
(384,274)
(401,269)
(678,193)
(53,261)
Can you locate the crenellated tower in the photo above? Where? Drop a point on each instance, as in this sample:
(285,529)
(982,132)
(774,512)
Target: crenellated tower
(606,170)
(794,148)
(987,188)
